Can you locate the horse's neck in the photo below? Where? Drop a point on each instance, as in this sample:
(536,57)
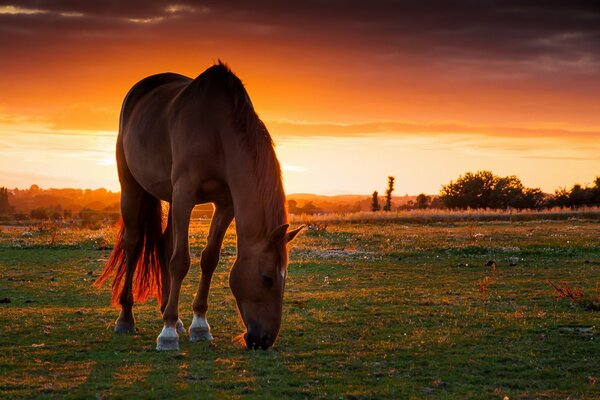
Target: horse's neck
(249,213)
(249,206)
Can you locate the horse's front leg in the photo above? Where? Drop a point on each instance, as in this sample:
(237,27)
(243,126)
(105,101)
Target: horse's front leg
(165,276)
(179,265)
(200,329)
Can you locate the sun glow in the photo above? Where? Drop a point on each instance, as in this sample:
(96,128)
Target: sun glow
(421,162)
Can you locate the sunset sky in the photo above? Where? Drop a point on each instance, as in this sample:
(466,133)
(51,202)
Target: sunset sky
(351,91)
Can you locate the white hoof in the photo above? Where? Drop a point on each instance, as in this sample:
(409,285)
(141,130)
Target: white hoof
(197,335)
(180,328)
(200,330)
(168,339)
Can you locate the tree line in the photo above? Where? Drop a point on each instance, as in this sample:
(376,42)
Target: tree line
(481,189)
(484,189)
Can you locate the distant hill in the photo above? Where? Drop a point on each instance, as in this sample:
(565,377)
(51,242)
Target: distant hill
(25,200)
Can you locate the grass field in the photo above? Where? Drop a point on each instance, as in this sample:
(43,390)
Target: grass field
(387,310)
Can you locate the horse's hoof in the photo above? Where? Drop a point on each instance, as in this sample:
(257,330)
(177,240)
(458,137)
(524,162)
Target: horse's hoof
(168,339)
(200,330)
(199,334)
(167,344)
(180,328)
(124,327)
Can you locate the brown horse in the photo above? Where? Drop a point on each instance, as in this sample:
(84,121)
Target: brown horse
(186,142)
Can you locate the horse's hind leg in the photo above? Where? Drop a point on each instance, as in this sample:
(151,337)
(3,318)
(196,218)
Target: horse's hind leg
(131,203)
(200,329)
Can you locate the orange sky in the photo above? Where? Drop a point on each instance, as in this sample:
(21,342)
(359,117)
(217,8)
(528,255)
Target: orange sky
(350,94)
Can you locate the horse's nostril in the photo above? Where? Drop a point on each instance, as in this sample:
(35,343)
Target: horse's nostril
(252,341)
(256,341)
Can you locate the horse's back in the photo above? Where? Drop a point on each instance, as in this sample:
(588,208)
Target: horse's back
(143,132)
(145,86)
(172,127)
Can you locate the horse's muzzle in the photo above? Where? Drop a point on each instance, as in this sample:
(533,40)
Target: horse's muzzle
(256,341)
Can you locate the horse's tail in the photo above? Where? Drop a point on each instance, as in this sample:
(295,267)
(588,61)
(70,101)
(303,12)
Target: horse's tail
(150,256)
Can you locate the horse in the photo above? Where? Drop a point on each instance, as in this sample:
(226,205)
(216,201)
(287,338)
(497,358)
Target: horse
(190,141)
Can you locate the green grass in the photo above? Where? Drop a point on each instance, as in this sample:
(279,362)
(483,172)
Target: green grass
(371,311)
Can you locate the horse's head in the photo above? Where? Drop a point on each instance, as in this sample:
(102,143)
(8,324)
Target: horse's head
(257,281)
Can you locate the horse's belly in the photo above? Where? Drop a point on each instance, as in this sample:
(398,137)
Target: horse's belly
(149,163)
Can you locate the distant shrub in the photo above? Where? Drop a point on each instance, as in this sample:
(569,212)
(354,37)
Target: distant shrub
(423,201)
(375,202)
(40,213)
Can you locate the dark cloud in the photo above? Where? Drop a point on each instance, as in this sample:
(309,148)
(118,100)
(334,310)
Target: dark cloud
(509,30)
(432,47)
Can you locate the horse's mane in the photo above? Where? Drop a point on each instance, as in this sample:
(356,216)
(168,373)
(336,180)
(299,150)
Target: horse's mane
(258,141)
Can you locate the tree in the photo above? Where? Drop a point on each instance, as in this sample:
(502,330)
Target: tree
(4,204)
(506,192)
(388,194)
(375,202)
(578,196)
(561,197)
(596,192)
(292,206)
(483,189)
(423,201)
(534,198)
(471,190)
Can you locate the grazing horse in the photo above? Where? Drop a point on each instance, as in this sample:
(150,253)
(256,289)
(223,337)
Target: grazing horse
(186,142)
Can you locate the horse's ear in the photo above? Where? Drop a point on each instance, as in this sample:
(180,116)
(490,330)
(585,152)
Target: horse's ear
(289,236)
(278,235)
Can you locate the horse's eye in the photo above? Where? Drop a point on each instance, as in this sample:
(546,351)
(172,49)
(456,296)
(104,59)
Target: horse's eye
(267,281)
